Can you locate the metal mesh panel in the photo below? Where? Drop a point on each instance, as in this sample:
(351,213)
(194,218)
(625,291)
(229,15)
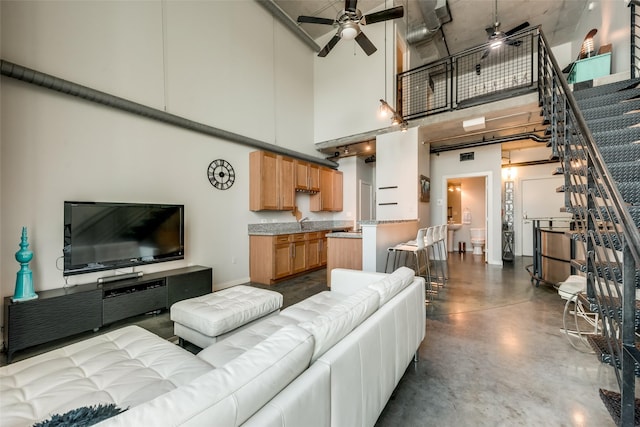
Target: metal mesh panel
(489,71)
(468,78)
(424,90)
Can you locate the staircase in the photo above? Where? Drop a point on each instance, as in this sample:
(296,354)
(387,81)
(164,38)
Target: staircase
(595,134)
(601,165)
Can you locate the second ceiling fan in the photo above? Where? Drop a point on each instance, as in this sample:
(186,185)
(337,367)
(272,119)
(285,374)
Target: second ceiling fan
(349,21)
(497,38)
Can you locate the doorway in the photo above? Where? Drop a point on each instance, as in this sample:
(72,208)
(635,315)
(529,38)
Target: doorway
(467,204)
(365,202)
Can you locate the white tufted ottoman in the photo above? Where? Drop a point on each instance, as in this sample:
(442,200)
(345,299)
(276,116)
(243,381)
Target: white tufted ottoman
(209,318)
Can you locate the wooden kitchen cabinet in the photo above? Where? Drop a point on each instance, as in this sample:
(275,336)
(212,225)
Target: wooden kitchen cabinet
(330,196)
(271,182)
(272,258)
(314,250)
(307,176)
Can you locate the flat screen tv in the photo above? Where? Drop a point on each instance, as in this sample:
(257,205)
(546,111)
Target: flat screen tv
(107,236)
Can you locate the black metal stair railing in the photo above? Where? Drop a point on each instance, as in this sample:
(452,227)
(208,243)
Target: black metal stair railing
(635,38)
(607,223)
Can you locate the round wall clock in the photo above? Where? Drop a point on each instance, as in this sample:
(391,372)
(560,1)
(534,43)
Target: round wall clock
(221,174)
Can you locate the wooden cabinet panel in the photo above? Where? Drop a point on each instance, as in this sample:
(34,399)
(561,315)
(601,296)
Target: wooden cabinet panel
(275,257)
(314,177)
(302,175)
(271,182)
(330,196)
(314,248)
(283,261)
(336,196)
(263,182)
(298,257)
(344,253)
(286,188)
(307,176)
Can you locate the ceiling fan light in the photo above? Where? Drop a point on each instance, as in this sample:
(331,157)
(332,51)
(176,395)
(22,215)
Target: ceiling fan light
(349,31)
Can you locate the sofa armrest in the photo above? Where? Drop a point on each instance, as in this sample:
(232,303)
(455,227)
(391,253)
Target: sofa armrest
(346,282)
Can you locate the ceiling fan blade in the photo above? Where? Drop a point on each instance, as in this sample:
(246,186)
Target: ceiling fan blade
(383,15)
(365,43)
(513,42)
(485,53)
(516,29)
(325,50)
(350,5)
(315,20)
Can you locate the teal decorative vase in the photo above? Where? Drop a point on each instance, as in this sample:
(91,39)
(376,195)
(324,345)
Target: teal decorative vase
(24,280)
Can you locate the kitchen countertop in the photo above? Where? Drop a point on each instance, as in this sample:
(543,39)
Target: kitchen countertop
(346,234)
(277,228)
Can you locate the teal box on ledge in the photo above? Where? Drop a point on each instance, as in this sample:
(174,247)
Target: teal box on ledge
(590,68)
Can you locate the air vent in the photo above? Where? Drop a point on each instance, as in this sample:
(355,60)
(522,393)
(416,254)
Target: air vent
(466,156)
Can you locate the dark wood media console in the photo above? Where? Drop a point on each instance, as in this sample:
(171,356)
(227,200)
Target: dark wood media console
(60,313)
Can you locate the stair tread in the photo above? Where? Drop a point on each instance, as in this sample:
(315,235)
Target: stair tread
(607,88)
(613,402)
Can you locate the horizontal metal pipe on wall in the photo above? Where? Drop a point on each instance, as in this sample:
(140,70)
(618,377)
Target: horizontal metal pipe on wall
(38,78)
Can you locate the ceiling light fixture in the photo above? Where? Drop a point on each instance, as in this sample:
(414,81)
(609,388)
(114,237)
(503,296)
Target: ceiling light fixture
(349,31)
(396,119)
(477,123)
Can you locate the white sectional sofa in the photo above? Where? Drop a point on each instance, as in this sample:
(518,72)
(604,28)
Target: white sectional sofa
(330,360)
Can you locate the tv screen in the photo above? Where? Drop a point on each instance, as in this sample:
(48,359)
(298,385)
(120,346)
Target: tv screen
(105,236)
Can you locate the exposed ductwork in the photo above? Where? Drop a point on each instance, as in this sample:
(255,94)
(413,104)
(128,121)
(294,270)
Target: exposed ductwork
(434,13)
(70,88)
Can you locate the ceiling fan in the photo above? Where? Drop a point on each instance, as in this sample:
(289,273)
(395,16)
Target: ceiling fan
(497,38)
(349,21)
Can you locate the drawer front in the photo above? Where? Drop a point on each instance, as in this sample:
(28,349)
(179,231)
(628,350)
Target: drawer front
(298,237)
(128,305)
(283,238)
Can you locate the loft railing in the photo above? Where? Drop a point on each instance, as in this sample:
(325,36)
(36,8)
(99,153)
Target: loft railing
(635,38)
(606,229)
(471,77)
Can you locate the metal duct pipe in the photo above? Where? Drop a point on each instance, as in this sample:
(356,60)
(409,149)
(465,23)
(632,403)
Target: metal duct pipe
(484,142)
(69,88)
(286,20)
(434,13)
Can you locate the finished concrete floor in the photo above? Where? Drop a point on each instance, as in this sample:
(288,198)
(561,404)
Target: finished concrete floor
(493,354)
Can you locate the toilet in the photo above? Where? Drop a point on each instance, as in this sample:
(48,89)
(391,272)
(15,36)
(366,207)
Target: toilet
(477,240)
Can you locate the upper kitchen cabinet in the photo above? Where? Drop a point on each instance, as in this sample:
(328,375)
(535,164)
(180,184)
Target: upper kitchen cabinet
(271,182)
(330,196)
(307,176)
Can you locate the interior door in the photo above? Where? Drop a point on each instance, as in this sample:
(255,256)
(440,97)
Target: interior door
(366,201)
(539,200)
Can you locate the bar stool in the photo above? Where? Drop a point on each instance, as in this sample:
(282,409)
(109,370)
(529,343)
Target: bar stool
(418,249)
(441,232)
(430,248)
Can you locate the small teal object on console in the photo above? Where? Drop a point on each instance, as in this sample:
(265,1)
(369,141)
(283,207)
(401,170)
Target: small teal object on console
(24,280)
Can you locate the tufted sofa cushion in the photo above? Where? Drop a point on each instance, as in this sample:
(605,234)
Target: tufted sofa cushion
(126,367)
(389,286)
(228,396)
(220,312)
(332,325)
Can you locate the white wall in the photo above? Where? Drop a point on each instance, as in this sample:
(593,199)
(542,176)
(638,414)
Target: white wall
(401,159)
(612,20)
(486,163)
(184,59)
